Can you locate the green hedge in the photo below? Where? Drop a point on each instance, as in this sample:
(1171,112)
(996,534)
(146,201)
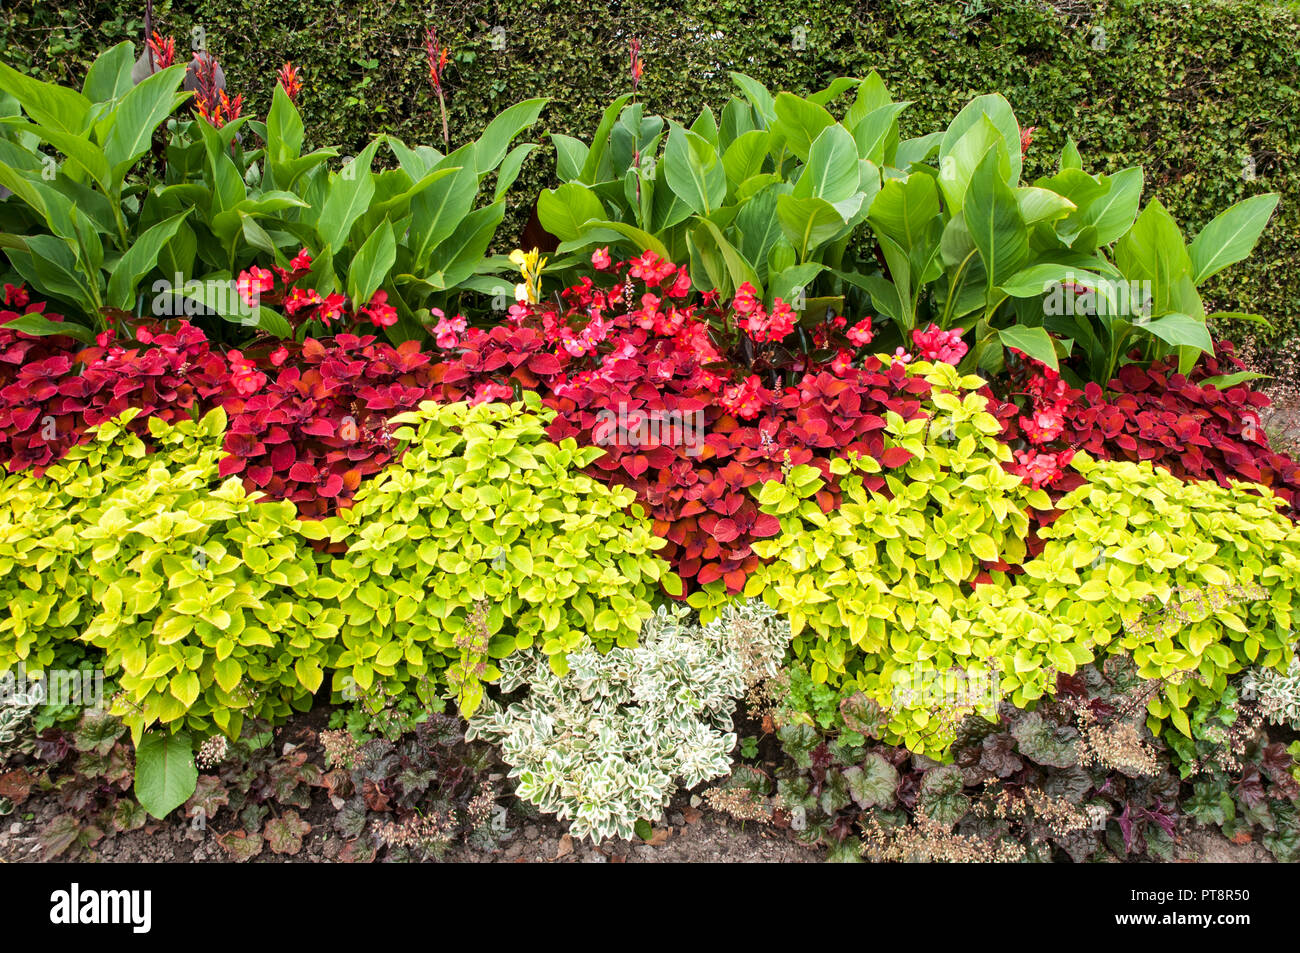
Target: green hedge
(1187,89)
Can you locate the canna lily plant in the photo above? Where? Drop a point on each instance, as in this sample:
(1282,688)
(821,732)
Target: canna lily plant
(76,227)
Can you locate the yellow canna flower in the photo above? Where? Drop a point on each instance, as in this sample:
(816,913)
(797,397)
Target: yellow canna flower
(530,265)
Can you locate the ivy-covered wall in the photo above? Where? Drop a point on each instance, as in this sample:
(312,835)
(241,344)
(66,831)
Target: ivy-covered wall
(1203,94)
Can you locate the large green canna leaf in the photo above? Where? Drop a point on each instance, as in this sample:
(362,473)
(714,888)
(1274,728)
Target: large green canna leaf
(998,112)
(349,195)
(1230,236)
(47,103)
(456,258)
(744,158)
(140,259)
(1035,342)
(904,208)
(877,134)
(565,211)
(808,222)
(371,264)
(1181,330)
(1112,213)
(600,142)
(799,122)
(511,166)
(758,95)
(958,163)
(992,216)
(1153,250)
(284,134)
(737,269)
(493,145)
(437,211)
(832,169)
(81,152)
(694,171)
(140,112)
(109,77)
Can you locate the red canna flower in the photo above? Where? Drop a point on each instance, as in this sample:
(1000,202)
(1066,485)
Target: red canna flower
(289,79)
(437,56)
(1026,137)
(637,67)
(162,51)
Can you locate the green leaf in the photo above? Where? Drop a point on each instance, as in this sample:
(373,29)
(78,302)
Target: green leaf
(140,259)
(165,775)
(566,210)
(371,265)
(832,169)
(808,222)
(992,216)
(1230,236)
(349,195)
(42,326)
(109,77)
(570,154)
(47,103)
(142,111)
(1035,342)
(1181,330)
(511,166)
(799,122)
(694,171)
(491,147)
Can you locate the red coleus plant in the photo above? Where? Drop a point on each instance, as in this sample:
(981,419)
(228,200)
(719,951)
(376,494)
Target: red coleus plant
(1185,425)
(313,431)
(641,370)
(52,390)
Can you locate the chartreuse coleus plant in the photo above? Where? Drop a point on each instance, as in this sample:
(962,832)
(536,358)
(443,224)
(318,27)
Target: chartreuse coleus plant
(41,582)
(1195,580)
(484,539)
(879,590)
(196,586)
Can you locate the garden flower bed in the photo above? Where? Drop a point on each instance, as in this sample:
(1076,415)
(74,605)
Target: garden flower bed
(816,477)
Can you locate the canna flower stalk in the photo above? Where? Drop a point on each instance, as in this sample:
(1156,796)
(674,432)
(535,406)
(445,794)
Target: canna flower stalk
(437,56)
(288,77)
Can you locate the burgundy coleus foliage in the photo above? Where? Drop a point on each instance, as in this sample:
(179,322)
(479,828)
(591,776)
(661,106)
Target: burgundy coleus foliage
(310,434)
(1190,428)
(52,390)
(659,381)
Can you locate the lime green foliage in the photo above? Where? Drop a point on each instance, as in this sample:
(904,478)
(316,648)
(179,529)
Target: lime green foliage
(41,584)
(1194,580)
(485,539)
(879,589)
(188,584)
